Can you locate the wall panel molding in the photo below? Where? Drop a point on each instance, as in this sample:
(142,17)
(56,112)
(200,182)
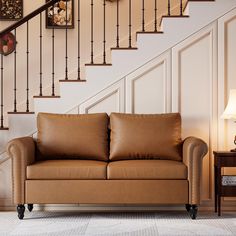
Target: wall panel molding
(194,93)
(108,100)
(148,88)
(227,81)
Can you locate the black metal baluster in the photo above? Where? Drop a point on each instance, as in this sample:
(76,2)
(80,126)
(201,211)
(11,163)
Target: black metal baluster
(2,121)
(117,24)
(78,78)
(15,75)
(143,16)
(27,67)
(41,58)
(66,61)
(92,62)
(181,7)
(104,31)
(155,20)
(53,57)
(53,62)
(168,7)
(130,24)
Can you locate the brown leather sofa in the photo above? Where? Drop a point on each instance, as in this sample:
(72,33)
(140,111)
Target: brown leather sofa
(96,159)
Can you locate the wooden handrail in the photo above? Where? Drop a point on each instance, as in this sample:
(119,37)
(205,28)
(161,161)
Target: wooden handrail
(28,17)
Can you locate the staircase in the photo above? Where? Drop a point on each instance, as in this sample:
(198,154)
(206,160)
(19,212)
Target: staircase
(62,90)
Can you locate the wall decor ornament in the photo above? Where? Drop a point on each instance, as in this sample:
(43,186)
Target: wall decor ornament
(11,9)
(7,44)
(60,15)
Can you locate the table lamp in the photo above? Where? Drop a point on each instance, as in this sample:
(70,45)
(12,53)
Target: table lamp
(230,110)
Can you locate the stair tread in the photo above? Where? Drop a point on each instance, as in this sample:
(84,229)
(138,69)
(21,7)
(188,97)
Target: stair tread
(173,16)
(46,96)
(78,81)
(201,0)
(20,112)
(4,128)
(124,48)
(150,32)
(98,64)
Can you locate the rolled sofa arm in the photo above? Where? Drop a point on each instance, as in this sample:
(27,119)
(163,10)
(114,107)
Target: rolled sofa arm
(22,152)
(194,149)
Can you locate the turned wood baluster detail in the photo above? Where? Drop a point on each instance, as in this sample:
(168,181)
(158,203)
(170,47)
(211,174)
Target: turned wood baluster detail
(143,16)
(27,66)
(92,61)
(40,57)
(117,24)
(15,76)
(78,77)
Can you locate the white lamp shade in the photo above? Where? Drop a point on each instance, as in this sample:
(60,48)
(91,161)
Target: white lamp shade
(230,110)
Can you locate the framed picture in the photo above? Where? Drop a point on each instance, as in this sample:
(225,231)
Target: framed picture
(11,9)
(7,44)
(56,15)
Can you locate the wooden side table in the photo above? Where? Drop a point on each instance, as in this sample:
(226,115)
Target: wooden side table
(223,159)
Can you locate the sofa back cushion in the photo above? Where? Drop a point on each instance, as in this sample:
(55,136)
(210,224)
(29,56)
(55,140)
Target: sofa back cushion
(72,136)
(145,136)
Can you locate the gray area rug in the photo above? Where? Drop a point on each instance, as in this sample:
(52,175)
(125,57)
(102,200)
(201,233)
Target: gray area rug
(117,224)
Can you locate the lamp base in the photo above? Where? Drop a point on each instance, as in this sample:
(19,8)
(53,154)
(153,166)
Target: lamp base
(233,150)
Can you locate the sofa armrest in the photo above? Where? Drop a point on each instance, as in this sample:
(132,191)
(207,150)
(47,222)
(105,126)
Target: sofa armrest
(22,152)
(194,149)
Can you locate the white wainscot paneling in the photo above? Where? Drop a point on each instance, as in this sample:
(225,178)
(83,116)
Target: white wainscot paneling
(194,91)
(5,184)
(109,100)
(227,75)
(148,88)
(227,81)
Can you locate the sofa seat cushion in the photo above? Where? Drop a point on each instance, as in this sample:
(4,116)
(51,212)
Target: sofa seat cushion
(155,136)
(146,169)
(67,170)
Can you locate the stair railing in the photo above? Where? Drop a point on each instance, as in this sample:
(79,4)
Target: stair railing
(117,42)
(14,28)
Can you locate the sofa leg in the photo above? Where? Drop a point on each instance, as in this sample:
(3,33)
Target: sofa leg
(187,206)
(21,210)
(30,207)
(192,210)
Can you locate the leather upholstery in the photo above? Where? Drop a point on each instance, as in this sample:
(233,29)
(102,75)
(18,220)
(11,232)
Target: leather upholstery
(194,150)
(84,181)
(67,169)
(146,169)
(22,152)
(73,136)
(132,134)
(107,191)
